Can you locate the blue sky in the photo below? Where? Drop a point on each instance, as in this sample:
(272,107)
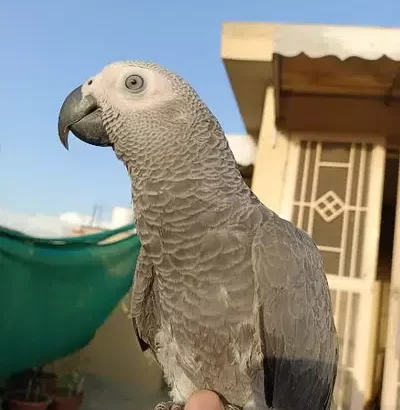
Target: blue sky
(48,48)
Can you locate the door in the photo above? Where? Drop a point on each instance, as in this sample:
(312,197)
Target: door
(390,399)
(333,190)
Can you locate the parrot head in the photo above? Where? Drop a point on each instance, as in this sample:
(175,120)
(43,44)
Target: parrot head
(155,122)
(131,99)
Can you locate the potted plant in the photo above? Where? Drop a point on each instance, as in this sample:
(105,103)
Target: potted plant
(69,394)
(32,398)
(47,380)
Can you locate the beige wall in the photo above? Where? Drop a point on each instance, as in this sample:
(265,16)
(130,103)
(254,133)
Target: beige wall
(115,354)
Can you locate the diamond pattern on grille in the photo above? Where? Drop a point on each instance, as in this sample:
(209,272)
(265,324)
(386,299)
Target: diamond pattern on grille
(329,206)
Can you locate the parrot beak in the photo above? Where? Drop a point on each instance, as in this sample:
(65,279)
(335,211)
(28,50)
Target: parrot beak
(82,116)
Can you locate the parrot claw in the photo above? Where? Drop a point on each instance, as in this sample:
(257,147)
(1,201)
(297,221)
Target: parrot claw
(168,405)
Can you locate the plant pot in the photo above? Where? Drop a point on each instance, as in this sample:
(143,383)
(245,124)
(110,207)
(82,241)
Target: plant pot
(17,401)
(20,381)
(48,381)
(62,401)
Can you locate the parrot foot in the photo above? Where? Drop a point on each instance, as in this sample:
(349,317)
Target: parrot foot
(168,405)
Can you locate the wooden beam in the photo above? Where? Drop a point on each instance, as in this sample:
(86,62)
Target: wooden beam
(310,113)
(296,84)
(330,75)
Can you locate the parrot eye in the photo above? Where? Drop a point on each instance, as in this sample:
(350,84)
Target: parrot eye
(134,83)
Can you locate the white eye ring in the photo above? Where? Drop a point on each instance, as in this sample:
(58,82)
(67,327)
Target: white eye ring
(134,83)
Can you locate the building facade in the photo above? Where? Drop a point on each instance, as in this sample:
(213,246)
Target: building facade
(322,104)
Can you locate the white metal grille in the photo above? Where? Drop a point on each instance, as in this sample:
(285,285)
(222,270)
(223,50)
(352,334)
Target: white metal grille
(331,199)
(329,206)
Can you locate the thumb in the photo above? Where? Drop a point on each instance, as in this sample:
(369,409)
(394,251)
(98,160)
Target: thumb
(204,400)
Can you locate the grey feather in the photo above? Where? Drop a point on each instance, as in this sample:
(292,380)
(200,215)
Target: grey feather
(228,296)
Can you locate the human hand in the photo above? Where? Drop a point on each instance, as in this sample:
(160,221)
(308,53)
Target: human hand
(204,400)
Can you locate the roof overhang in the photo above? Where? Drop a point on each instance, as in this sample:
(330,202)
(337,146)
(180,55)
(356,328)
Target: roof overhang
(361,62)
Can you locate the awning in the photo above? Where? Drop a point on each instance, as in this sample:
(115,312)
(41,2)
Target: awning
(311,65)
(343,42)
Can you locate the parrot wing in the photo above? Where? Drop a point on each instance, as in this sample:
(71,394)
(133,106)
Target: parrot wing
(296,323)
(145,315)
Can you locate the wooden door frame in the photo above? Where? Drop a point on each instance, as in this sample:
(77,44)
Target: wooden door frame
(390,388)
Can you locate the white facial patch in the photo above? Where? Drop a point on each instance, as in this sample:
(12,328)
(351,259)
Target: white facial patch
(109,87)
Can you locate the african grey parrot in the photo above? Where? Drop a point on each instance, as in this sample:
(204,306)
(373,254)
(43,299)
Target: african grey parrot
(228,296)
